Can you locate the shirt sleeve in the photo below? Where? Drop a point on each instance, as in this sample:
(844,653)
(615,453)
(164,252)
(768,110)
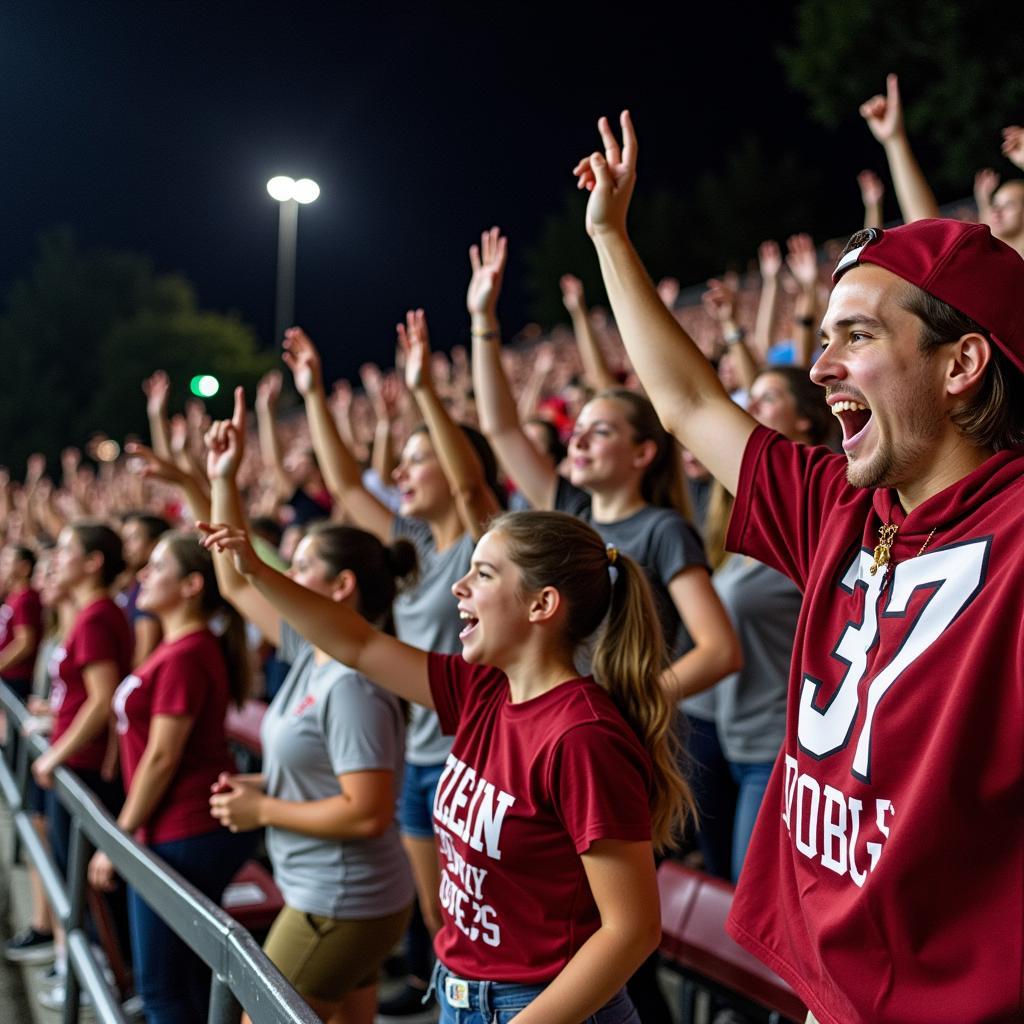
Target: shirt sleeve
(361,727)
(27,611)
(676,546)
(786,493)
(571,499)
(600,785)
(451,680)
(180,686)
(291,645)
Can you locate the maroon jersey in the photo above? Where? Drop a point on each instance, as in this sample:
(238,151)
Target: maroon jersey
(100,633)
(526,789)
(187,678)
(21,609)
(891,838)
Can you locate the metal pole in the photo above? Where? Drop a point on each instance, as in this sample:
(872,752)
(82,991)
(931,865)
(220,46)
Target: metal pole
(287,235)
(79,850)
(224,1007)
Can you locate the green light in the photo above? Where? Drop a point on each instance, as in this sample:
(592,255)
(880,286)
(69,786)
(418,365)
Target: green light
(204,385)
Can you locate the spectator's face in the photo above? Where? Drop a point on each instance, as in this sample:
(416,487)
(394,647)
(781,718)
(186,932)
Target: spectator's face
(603,452)
(1007,216)
(693,468)
(137,545)
(420,480)
(162,585)
(771,403)
(889,396)
(69,559)
(309,570)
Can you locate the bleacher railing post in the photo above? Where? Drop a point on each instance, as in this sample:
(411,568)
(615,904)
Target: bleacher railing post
(224,1007)
(79,852)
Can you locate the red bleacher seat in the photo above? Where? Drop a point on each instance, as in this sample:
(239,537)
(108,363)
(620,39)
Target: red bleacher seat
(694,907)
(252,898)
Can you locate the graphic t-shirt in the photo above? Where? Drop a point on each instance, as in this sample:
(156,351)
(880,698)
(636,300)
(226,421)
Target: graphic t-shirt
(187,677)
(21,609)
(891,837)
(526,789)
(100,633)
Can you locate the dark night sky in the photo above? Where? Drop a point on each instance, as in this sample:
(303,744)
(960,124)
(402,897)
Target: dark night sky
(154,126)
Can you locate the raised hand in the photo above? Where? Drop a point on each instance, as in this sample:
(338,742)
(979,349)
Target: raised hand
(668,291)
(302,358)
(35,467)
(609,178)
(802,260)
(221,537)
(572,293)
(986,181)
(769,260)
(225,442)
(488,262)
(884,114)
(157,389)
(414,340)
(872,190)
(147,463)
(268,391)
(1013,144)
(720,301)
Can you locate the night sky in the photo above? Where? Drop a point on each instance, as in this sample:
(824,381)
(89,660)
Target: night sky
(154,126)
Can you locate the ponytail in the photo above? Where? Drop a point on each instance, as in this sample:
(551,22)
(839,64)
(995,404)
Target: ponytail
(561,551)
(628,661)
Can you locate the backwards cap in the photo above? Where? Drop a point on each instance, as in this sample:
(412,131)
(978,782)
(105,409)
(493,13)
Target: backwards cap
(958,263)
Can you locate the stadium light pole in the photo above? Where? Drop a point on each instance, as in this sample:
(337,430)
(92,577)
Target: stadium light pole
(289,194)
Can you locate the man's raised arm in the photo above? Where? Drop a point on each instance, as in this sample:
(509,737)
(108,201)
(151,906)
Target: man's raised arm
(682,384)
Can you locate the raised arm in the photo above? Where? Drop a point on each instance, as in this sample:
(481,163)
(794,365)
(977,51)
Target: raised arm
(342,472)
(884,115)
(596,371)
(153,467)
(335,628)
(1013,145)
(499,417)
(683,386)
(769,260)
(382,391)
(872,192)
(225,446)
(986,181)
(720,302)
(156,388)
(268,392)
(458,458)
(802,260)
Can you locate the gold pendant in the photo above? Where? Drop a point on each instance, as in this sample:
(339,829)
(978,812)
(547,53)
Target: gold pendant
(886,534)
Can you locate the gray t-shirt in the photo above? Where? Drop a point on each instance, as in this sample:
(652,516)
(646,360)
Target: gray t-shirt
(328,720)
(663,543)
(427,617)
(750,705)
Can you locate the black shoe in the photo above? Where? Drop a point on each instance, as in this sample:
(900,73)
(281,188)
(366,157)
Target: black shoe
(407,1002)
(29,947)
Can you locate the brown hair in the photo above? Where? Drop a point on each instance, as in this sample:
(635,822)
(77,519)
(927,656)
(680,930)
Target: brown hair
(95,536)
(662,484)
(993,417)
(552,549)
(188,551)
(380,570)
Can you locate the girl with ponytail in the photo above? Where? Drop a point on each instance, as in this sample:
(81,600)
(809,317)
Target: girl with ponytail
(558,788)
(170,724)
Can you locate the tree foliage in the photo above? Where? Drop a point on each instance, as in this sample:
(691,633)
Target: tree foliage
(959,67)
(83,329)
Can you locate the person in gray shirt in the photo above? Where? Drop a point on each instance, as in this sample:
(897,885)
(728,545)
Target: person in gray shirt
(333,754)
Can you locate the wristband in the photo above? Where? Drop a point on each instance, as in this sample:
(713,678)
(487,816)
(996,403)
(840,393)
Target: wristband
(733,336)
(485,335)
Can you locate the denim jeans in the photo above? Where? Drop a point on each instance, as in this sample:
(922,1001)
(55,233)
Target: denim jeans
(173,982)
(497,1002)
(752,780)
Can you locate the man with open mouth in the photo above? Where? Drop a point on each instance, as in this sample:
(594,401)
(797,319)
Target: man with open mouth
(884,879)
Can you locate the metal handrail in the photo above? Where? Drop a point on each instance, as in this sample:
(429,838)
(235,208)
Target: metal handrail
(242,976)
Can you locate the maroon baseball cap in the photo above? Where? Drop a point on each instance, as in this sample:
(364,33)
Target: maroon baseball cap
(961,264)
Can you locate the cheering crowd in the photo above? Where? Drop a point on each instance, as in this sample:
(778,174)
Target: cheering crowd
(529,618)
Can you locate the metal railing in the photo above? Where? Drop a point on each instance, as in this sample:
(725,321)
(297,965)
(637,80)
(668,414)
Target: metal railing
(242,976)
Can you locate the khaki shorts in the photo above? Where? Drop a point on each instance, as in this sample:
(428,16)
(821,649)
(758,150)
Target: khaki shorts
(327,958)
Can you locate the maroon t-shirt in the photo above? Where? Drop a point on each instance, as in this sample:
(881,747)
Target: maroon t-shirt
(891,839)
(526,789)
(100,633)
(188,678)
(21,609)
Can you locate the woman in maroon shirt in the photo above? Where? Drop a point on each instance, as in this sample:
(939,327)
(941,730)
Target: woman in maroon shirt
(170,723)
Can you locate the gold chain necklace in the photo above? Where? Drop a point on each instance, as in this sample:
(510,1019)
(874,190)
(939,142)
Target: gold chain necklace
(883,552)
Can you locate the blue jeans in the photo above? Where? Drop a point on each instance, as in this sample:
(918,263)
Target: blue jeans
(173,982)
(752,780)
(497,1002)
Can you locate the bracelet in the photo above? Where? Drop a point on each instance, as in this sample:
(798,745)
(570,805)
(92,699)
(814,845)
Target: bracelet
(805,321)
(734,336)
(485,335)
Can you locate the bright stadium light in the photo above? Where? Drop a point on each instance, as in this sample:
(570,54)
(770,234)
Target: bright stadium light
(281,188)
(289,193)
(306,190)
(204,385)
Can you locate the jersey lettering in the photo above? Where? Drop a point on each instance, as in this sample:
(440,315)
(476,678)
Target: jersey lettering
(954,575)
